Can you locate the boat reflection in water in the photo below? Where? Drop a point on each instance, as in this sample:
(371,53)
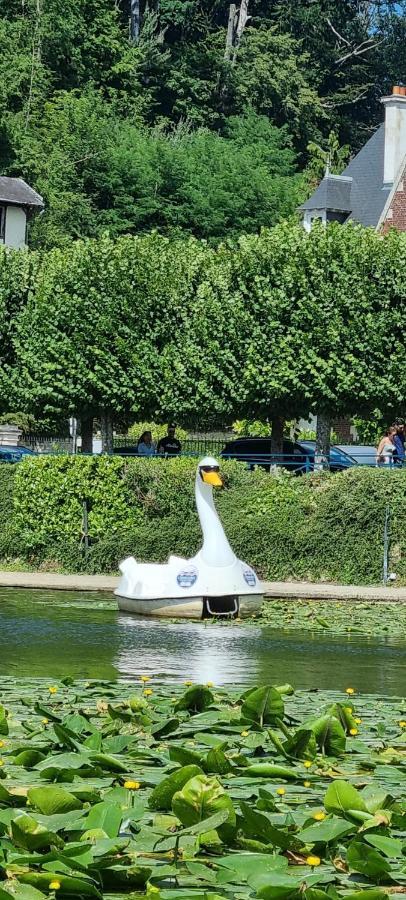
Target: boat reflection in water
(244,654)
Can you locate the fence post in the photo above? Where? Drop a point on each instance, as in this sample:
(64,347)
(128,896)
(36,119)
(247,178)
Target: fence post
(85,528)
(386,536)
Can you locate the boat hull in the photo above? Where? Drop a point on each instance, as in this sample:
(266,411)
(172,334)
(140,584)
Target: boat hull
(243,606)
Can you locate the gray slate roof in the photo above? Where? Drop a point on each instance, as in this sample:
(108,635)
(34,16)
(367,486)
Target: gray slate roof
(333,192)
(368,194)
(16,192)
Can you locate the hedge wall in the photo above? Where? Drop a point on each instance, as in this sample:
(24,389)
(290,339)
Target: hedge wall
(319,527)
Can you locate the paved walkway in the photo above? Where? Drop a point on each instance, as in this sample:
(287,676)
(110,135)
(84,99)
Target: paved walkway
(273,589)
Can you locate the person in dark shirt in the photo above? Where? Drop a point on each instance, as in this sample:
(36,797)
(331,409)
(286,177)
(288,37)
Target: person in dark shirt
(169,445)
(399,441)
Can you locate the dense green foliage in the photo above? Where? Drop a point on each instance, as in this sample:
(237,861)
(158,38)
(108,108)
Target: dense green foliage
(200,793)
(170,130)
(281,324)
(312,528)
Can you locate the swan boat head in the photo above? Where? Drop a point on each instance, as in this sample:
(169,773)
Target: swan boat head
(209,471)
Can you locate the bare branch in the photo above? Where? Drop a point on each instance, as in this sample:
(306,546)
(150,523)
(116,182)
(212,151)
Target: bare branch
(337,34)
(365,47)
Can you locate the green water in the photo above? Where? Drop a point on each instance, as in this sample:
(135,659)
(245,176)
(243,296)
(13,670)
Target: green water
(53,634)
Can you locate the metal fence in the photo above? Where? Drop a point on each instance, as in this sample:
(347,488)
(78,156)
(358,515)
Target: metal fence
(302,458)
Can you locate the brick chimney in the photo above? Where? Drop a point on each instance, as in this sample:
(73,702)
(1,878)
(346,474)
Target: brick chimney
(395,132)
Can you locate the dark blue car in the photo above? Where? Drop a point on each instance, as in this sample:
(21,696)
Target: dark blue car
(14,454)
(297,456)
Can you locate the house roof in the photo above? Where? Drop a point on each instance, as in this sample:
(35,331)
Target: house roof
(333,192)
(16,192)
(368,194)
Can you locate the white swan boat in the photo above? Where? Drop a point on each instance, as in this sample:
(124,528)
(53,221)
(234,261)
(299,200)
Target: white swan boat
(212,583)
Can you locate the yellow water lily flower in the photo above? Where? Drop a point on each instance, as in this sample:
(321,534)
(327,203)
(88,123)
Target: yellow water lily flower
(2,743)
(307,764)
(313,860)
(281,791)
(52,689)
(209,684)
(1,762)
(54,885)
(244,733)
(319,816)
(148,692)
(188,683)
(353,731)
(132,785)
(350,690)
(358,721)
(145,678)
(307,784)
(402,723)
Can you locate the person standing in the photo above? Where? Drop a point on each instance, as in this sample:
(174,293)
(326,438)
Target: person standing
(145,446)
(169,445)
(386,448)
(400,442)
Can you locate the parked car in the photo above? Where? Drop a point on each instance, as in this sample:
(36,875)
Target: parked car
(126,450)
(363,454)
(14,454)
(297,456)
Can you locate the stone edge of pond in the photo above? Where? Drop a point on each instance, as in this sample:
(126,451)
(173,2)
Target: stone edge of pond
(273,590)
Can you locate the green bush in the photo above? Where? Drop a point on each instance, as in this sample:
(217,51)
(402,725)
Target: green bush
(319,527)
(49,492)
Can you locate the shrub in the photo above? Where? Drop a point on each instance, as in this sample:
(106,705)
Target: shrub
(49,492)
(319,527)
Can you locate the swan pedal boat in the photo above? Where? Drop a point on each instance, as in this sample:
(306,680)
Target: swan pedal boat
(211,584)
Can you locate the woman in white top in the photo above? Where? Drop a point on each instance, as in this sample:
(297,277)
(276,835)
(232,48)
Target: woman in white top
(386,448)
(145,446)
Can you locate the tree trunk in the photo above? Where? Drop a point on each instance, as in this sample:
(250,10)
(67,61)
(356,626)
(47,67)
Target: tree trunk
(86,430)
(230,32)
(237,20)
(106,425)
(322,454)
(278,423)
(135,18)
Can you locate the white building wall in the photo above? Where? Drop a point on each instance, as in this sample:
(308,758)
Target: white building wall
(16,220)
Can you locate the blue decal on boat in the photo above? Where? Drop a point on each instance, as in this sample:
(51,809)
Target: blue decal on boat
(187,577)
(250,577)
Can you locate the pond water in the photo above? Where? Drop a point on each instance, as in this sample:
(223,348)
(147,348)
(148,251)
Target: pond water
(54,634)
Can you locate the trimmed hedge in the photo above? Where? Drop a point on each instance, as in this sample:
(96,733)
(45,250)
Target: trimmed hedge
(319,527)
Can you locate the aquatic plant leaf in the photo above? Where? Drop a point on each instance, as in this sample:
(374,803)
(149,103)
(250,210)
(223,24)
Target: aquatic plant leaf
(199,799)
(368,894)
(263,705)
(162,794)
(3,720)
(196,698)
(52,799)
(30,835)
(69,886)
(389,846)
(13,889)
(367,861)
(184,756)
(330,829)
(301,745)
(341,797)
(258,826)
(106,816)
(28,758)
(329,734)
(217,762)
